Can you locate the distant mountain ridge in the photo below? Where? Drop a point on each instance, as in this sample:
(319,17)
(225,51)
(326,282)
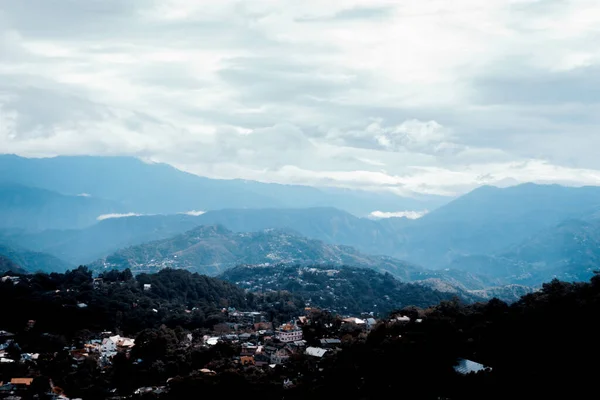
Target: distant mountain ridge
(81,246)
(212,249)
(152,188)
(31,261)
(569,251)
(34,209)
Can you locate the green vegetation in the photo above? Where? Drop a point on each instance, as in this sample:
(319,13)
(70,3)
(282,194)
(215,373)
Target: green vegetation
(214,249)
(343,290)
(32,261)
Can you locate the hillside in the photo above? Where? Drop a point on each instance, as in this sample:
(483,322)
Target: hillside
(7,265)
(101,239)
(213,249)
(34,209)
(32,261)
(344,290)
(490,219)
(81,246)
(45,298)
(151,188)
(569,251)
(324,223)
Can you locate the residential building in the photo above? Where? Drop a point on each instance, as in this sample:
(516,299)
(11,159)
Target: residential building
(465,366)
(289,333)
(315,352)
(280,356)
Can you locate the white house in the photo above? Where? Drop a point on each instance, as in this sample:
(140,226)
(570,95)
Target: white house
(465,366)
(315,351)
(109,346)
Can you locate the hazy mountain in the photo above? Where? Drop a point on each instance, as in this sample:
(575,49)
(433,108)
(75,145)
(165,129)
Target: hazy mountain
(569,251)
(81,246)
(327,224)
(31,208)
(7,265)
(490,219)
(31,261)
(212,249)
(160,188)
(346,290)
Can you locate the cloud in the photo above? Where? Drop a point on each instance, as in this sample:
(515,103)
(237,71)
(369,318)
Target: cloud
(194,213)
(407,97)
(399,214)
(110,216)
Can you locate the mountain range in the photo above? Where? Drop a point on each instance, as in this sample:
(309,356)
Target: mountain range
(154,188)
(213,249)
(22,260)
(60,212)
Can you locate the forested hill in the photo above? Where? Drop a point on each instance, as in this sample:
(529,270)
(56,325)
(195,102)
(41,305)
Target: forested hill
(31,261)
(7,265)
(213,249)
(119,302)
(344,290)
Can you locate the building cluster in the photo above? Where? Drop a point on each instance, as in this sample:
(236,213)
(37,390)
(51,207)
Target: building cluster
(102,349)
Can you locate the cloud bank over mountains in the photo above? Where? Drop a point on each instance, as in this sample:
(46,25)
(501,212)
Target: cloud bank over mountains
(410,97)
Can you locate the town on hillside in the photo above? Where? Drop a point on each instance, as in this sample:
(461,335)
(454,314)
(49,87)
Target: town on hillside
(251,342)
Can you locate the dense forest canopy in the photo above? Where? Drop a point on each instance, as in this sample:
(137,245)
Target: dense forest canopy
(344,290)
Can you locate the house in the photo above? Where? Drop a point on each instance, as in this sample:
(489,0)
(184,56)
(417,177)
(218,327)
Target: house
(111,344)
(289,333)
(403,319)
(248,349)
(211,341)
(29,357)
(465,366)
(353,320)
(263,326)
(280,356)
(370,322)
(330,343)
(21,381)
(147,286)
(208,371)
(261,359)
(81,305)
(247,360)
(315,352)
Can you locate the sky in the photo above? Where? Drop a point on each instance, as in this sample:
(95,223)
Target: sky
(413,97)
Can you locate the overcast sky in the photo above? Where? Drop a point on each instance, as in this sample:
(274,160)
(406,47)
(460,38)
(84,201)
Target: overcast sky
(414,96)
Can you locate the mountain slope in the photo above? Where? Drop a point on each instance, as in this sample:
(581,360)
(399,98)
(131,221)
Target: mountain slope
(99,240)
(32,208)
(31,261)
(160,188)
(569,251)
(7,265)
(212,249)
(345,290)
(490,219)
(325,223)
